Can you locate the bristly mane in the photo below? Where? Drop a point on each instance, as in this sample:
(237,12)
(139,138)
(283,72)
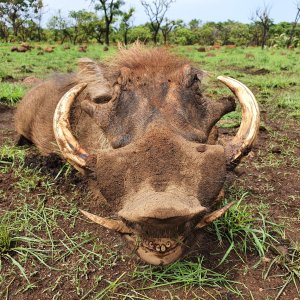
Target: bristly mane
(151,60)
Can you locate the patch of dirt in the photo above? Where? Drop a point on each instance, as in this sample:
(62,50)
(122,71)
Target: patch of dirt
(7,131)
(28,81)
(269,173)
(253,71)
(8,78)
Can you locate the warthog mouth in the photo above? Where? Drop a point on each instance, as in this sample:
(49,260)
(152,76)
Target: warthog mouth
(155,251)
(158,251)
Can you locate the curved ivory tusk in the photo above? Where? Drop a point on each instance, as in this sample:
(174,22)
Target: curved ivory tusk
(242,143)
(206,220)
(66,142)
(108,223)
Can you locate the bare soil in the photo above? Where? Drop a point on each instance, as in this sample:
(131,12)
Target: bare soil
(276,185)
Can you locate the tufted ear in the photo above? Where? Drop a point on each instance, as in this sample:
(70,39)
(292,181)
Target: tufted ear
(93,73)
(191,74)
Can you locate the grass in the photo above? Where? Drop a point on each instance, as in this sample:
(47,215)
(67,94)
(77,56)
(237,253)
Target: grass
(27,242)
(182,273)
(289,261)
(5,240)
(246,228)
(25,247)
(17,66)
(42,232)
(20,65)
(11,155)
(11,93)
(32,234)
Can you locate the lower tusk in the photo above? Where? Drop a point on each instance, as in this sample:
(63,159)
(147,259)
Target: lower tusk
(214,216)
(108,223)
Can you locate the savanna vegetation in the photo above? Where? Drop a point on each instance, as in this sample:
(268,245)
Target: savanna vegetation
(108,22)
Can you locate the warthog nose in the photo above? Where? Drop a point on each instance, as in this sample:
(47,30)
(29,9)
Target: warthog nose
(158,207)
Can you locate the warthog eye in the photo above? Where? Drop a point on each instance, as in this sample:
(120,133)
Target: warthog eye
(102,99)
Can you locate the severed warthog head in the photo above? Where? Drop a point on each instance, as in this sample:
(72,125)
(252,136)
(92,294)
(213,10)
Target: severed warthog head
(165,171)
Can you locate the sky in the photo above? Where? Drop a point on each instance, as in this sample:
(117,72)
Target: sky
(205,10)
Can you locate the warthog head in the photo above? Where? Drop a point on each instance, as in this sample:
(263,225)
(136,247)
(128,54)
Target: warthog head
(165,171)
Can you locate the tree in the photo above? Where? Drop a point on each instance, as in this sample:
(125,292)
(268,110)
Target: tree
(83,26)
(156,12)
(28,30)
(99,29)
(263,20)
(111,9)
(232,32)
(141,33)
(183,36)
(168,26)
(39,16)
(125,24)
(59,26)
(4,32)
(15,12)
(208,35)
(294,25)
(194,24)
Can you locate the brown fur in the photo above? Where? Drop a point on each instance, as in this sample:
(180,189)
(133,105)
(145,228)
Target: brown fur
(139,64)
(147,107)
(156,60)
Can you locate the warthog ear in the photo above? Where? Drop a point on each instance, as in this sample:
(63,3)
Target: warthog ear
(191,74)
(93,73)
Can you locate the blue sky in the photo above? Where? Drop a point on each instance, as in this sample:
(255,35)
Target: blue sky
(205,10)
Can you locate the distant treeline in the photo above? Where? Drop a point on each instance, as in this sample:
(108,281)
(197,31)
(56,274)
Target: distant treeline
(20,20)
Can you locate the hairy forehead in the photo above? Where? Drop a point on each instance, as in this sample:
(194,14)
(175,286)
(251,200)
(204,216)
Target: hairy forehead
(146,59)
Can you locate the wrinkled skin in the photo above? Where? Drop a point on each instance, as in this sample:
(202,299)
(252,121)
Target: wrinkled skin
(156,177)
(162,171)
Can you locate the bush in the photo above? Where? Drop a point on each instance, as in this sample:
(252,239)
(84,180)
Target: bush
(183,36)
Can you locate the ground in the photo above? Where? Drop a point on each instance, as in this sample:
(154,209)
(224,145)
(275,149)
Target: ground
(49,251)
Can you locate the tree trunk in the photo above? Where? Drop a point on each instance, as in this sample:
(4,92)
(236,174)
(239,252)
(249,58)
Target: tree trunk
(99,39)
(125,37)
(39,33)
(165,37)
(15,28)
(155,36)
(107,34)
(264,38)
